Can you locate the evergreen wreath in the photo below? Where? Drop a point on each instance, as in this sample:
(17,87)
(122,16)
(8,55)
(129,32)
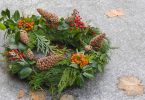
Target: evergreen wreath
(52,52)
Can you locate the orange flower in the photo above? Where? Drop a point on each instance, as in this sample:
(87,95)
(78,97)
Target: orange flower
(20,24)
(79,58)
(27,25)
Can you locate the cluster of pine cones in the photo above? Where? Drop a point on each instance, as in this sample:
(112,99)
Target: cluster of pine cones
(44,62)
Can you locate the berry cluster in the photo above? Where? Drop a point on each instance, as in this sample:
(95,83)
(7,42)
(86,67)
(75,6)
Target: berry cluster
(14,55)
(80,59)
(26,25)
(77,22)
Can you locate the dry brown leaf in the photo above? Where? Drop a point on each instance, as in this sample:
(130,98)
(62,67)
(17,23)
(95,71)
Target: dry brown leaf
(67,97)
(115,12)
(37,95)
(131,85)
(20,94)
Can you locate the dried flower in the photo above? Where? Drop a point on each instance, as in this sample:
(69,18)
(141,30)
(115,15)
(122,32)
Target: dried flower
(79,58)
(26,25)
(29,26)
(20,24)
(14,54)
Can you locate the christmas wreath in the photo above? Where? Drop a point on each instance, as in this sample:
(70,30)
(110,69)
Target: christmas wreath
(52,52)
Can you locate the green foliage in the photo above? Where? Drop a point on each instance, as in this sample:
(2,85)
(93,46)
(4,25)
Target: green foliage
(63,62)
(32,40)
(14,68)
(48,78)
(63,25)
(16,15)
(68,78)
(2,26)
(80,80)
(5,13)
(25,72)
(105,46)
(22,47)
(67,40)
(43,44)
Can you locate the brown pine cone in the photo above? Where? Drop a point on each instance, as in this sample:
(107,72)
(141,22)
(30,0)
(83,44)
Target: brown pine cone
(97,40)
(50,17)
(30,54)
(48,62)
(24,36)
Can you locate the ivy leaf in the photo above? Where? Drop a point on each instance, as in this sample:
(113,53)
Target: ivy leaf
(74,66)
(16,15)
(2,26)
(8,13)
(3,13)
(25,72)
(88,75)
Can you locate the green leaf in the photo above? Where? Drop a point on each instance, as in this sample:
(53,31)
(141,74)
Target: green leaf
(1,18)
(32,62)
(80,80)
(14,68)
(25,72)
(103,56)
(88,75)
(100,68)
(8,13)
(3,13)
(17,37)
(74,66)
(22,47)
(16,15)
(87,68)
(2,26)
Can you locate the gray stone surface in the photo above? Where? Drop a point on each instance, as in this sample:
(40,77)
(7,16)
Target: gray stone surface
(126,32)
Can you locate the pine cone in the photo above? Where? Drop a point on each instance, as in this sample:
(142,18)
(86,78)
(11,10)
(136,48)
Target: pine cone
(50,17)
(96,41)
(47,62)
(24,36)
(30,54)
(72,17)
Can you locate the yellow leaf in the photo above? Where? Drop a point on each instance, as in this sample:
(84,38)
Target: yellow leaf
(37,95)
(115,12)
(131,85)
(21,94)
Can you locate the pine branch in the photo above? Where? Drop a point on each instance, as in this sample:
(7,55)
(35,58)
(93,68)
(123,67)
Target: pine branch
(68,78)
(43,44)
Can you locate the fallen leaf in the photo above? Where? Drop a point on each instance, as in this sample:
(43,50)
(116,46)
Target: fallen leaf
(67,97)
(37,95)
(115,12)
(131,85)
(21,94)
